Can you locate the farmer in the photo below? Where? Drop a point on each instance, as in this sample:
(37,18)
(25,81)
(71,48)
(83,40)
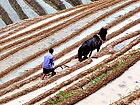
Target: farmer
(48,64)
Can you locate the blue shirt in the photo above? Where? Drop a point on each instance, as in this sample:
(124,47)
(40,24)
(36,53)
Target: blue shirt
(48,60)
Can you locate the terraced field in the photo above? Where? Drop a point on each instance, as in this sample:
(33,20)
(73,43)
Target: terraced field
(110,76)
(12,11)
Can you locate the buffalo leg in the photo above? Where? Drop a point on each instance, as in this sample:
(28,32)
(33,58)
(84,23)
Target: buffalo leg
(85,57)
(98,48)
(90,53)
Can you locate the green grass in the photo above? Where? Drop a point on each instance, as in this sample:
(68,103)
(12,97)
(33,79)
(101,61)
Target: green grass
(63,96)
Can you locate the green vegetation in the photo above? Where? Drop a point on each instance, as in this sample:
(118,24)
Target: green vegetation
(105,74)
(97,79)
(63,96)
(115,67)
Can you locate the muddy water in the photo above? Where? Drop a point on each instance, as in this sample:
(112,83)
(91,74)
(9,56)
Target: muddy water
(122,24)
(35,93)
(67,5)
(131,30)
(94,62)
(40,59)
(10,30)
(44,21)
(2,23)
(119,46)
(48,9)
(122,86)
(36,32)
(13,15)
(116,15)
(71,42)
(65,13)
(27,10)
(38,24)
(85,1)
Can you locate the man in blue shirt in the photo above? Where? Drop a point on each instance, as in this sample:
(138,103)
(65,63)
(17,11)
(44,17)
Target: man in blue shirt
(48,64)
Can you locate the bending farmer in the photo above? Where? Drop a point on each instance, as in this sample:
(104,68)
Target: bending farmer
(48,64)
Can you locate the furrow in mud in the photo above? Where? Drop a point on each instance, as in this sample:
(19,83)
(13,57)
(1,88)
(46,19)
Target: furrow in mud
(112,35)
(12,26)
(20,84)
(99,84)
(19,26)
(134,44)
(48,23)
(109,48)
(31,57)
(93,88)
(25,23)
(133,23)
(44,83)
(40,67)
(47,93)
(14,96)
(31,71)
(58,27)
(128,99)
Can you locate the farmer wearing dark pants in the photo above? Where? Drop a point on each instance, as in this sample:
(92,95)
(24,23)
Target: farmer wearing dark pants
(48,64)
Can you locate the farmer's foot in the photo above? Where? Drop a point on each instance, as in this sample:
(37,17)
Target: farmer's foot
(53,73)
(43,76)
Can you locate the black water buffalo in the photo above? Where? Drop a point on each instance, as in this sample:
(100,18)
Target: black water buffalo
(91,44)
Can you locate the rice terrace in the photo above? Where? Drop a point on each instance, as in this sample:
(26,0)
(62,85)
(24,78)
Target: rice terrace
(108,77)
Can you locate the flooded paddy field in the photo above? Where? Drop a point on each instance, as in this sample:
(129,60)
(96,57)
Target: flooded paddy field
(17,10)
(114,69)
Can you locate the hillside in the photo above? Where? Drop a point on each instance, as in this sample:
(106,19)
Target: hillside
(12,11)
(109,77)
